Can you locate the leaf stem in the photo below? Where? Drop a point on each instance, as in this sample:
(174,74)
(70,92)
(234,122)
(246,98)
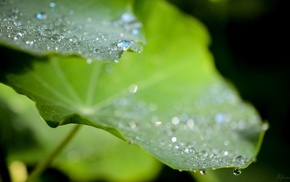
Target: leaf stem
(44,164)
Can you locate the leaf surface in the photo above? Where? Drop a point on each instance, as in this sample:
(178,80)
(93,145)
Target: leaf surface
(99,30)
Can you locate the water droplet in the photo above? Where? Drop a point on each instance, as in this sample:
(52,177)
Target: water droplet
(89,61)
(41,16)
(56,37)
(124,45)
(240,160)
(189,149)
(202,172)
(133,88)
(219,118)
(158,123)
(226,153)
(73,39)
(128,17)
(61,28)
(30,43)
(265,126)
(173,139)
(52,4)
(175,120)
(135,31)
(18,36)
(237,171)
(203,154)
(132,125)
(45,32)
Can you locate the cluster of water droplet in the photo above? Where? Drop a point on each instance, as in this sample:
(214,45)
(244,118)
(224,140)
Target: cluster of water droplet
(199,139)
(52,28)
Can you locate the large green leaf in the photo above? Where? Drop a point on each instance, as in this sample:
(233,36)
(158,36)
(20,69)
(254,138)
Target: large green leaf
(94,29)
(169,99)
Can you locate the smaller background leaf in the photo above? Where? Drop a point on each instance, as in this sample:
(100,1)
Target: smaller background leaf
(92,154)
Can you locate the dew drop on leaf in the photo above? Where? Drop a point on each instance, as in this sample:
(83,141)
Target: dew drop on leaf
(127,17)
(173,139)
(265,126)
(41,16)
(175,120)
(237,171)
(189,149)
(52,4)
(240,160)
(30,43)
(89,61)
(133,88)
(124,45)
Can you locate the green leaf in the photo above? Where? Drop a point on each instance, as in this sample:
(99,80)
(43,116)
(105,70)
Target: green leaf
(94,29)
(169,99)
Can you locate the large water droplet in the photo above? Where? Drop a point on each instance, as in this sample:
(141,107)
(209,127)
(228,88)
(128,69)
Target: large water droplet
(240,160)
(124,45)
(41,16)
(237,171)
